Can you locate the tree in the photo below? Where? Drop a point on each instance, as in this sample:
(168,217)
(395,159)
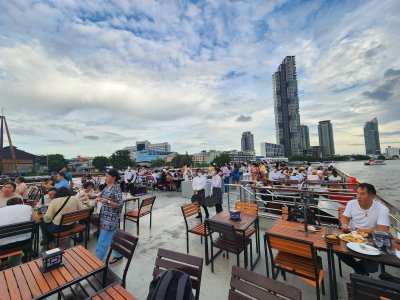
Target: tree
(221,159)
(159,162)
(181,160)
(100,162)
(120,159)
(56,162)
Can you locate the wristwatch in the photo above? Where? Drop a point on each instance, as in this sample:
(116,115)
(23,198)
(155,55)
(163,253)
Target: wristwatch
(108,202)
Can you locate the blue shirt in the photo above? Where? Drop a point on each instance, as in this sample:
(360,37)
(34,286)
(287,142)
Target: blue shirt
(63,183)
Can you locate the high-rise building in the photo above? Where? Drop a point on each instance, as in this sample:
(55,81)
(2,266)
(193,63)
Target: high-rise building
(247,141)
(305,137)
(271,150)
(371,137)
(325,134)
(286,104)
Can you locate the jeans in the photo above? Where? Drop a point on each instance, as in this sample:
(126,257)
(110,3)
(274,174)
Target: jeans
(226,181)
(362,266)
(104,243)
(51,228)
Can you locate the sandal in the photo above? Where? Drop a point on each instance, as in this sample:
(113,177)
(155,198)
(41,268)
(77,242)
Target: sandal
(115,259)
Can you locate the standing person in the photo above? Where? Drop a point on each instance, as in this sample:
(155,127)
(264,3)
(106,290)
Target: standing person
(216,191)
(199,185)
(22,188)
(254,171)
(262,170)
(111,207)
(184,173)
(236,174)
(128,179)
(227,176)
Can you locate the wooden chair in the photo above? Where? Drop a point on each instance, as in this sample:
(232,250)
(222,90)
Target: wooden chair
(229,240)
(297,257)
(15,229)
(83,217)
(112,292)
(189,210)
(122,242)
(366,288)
(247,284)
(285,213)
(192,265)
(250,209)
(134,215)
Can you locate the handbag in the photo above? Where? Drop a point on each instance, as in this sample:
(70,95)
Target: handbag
(209,201)
(196,198)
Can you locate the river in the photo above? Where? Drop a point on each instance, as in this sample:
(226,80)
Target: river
(385,178)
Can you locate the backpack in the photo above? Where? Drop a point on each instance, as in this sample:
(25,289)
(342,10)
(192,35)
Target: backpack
(171,285)
(297,215)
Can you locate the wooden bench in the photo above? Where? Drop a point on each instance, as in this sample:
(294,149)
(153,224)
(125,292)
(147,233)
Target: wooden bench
(82,216)
(297,257)
(134,215)
(191,265)
(247,284)
(365,288)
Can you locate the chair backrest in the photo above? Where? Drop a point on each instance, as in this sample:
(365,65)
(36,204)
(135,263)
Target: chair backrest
(192,265)
(368,288)
(76,216)
(190,209)
(125,244)
(285,212)
(250,285)
(227,230)
(17,229)
(147,204)
(290,245)
(33,193)
(250,209)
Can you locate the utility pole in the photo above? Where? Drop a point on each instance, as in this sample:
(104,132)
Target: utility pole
(13,157)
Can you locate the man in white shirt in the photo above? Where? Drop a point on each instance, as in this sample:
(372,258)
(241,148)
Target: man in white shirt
(129,179)
(367,214)
(199,185)
(275,174)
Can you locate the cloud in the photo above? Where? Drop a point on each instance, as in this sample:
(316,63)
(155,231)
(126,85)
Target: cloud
(391,133)
(388,88)
(92,137)
(243,118)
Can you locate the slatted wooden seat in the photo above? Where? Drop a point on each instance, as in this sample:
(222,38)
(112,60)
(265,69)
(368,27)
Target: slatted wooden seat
(114,292)
(366,288)
(228,240)
(190,210)
(16,229)
(249,285)
(192,265)
(134,215)
(297,257)
(122,242)
(82,216)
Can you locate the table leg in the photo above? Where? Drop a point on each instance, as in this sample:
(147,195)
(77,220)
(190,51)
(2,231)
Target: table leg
(266,254)
(332,273)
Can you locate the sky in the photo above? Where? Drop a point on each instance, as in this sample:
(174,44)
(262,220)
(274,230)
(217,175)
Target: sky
(89,77)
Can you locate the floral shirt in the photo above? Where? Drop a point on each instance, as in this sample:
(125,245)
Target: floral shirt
(110,217)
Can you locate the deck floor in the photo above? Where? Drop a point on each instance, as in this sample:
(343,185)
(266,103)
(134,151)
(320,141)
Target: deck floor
(168,231)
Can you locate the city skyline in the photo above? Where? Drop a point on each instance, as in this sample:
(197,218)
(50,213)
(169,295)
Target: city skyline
(89,78)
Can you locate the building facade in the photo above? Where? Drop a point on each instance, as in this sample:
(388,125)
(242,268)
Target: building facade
(147,146)
(242,156)
(272,150)
(392,151)
(247,141)
(286,106)
(371,137)
(325,135)
(26,162)
(305,137)
(199,158)
(149,156)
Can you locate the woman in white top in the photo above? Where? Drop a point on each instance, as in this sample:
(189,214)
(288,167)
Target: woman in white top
(86,192)
(314,178)
(216,191)
(8,192)
(335,177)
(199,185)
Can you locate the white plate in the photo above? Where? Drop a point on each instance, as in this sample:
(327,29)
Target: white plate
(363,249)
(343,234)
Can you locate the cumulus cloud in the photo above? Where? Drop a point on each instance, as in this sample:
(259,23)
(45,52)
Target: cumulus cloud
(243,118)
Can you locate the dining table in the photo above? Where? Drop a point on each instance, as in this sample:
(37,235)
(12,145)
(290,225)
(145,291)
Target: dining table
(28,281)
(296,230)
(240,226)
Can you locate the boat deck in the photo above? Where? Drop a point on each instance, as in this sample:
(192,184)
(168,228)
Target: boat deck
(168,231)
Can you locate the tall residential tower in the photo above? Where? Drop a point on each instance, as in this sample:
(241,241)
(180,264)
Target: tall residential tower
(286,104)
(305,137)
(325,134)
(247,141)
(371,137)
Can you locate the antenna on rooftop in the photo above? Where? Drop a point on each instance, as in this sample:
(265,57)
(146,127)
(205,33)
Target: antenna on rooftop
(12,152)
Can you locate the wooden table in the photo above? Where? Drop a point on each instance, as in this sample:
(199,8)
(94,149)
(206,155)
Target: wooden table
(114,292)
(296,230)
(27,281)
(240,226)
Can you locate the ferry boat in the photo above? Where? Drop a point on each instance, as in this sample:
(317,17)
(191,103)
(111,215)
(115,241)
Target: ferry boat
(375,162)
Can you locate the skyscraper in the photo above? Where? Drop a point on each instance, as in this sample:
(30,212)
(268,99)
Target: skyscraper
(247,141)
(305,137)
(325,134)
(371,137)
(286,104)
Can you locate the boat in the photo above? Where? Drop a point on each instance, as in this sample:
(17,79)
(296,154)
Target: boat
(375,162)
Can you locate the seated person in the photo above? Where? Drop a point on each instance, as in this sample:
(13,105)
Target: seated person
(86,192)
(16,212)
(367,214)
(50,183)
(51,194)
(22,188)
(8,192)
(52,218)
(62,181)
